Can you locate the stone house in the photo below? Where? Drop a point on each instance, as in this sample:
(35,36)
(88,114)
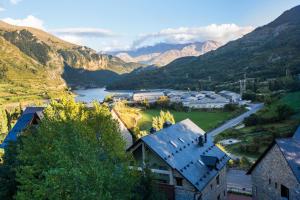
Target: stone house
(276,174)
(186,163)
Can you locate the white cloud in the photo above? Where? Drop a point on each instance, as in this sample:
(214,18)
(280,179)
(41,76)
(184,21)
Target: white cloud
(85,32)
(73,39)
(30,21)
(2,9)
(15,2)
(222,33)
(114,45)
(93,37)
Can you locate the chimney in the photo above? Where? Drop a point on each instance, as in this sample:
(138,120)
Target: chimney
(152,130)
(201,142)
(167,124)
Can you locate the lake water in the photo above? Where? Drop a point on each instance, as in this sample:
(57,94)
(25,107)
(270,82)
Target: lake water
(95,94)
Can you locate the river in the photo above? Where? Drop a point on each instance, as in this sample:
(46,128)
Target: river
(95,94)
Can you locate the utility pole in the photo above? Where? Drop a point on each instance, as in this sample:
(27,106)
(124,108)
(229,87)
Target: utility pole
(287,72)
(241,88)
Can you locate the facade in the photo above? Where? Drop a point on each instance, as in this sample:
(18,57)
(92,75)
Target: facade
(150,96)
(123,129)
(184,161)
(276,174)
(30,116)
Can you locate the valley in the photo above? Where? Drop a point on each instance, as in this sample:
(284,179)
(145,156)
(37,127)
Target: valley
(199,111)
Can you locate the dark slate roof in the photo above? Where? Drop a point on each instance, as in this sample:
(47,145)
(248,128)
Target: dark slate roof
(178,146)
(22,123)
(290,148)
(297,134)
(33,110)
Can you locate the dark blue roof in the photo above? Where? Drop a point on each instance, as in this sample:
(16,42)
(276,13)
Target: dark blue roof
(290,148)
(178,146)
(33,110)
(297,134)
(22,123)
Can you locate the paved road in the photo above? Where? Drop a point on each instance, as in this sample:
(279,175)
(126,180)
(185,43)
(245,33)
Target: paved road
(235,121)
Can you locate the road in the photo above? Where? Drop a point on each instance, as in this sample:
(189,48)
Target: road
(235,121)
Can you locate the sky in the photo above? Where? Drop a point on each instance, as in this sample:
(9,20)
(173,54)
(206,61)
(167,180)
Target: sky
(109,25)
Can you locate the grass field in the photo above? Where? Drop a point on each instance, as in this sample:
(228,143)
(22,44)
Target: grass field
(255,139)
(205,120)
(292,99)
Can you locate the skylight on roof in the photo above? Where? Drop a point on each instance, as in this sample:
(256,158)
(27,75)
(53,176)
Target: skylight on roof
(200,161)
(174,145)
(181,140)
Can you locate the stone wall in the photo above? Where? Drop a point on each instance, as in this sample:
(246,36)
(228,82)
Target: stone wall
(211,192)
(272,171)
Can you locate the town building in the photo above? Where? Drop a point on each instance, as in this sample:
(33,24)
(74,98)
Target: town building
(186,163)
(276,174)
(232,96)
(30,116)
(150,96)
(204,99)
(121,97)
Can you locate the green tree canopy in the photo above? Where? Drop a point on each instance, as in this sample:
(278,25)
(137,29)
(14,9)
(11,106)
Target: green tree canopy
(74,153)
(3,121)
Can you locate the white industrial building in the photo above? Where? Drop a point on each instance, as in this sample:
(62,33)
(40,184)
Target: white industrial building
(150,96)
(234,97)
(201,99)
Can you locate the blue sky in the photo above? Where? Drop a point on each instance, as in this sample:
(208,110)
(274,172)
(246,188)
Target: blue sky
(119,24)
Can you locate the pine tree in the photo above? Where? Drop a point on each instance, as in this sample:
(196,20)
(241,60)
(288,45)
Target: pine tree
(158,122)
(3,121)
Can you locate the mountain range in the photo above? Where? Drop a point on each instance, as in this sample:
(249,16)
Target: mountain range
(35,64)
(163,53)
(268,52)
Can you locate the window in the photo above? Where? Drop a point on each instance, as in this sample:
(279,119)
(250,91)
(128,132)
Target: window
(276,186)
(254,191)
(269,181)
(178,181)
(219,197)
(218,180)
(284,192)
(211,186)
(224,193)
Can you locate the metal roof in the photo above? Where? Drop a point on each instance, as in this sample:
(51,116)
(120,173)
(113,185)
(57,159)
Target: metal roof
(22,123)
(297,134)
(178,146)
(290,148)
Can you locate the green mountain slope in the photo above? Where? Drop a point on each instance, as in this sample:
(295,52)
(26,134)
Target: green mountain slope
(270,51)
(23,78)
(32,63)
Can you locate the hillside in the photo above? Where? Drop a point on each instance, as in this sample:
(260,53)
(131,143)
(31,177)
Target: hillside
(32,62)
(270,51)
(163,53)
(23,78)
